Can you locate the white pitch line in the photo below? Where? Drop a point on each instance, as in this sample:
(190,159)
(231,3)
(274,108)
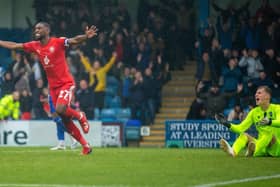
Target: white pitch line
(236,181)
(56,185)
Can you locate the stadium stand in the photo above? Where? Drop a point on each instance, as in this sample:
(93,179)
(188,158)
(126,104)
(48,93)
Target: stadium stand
(158,40)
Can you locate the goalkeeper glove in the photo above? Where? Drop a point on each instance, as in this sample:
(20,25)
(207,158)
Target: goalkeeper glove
(265,122)
(220,118)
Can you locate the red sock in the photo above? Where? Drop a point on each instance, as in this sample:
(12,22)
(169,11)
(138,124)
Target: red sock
(75,132)
(72,113)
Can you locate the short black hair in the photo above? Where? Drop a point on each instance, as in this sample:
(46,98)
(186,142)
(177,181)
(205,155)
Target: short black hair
(45,24)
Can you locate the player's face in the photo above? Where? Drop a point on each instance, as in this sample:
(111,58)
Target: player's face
(40,31)
(261,97)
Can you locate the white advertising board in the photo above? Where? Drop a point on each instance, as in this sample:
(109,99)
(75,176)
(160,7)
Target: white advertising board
(41,133)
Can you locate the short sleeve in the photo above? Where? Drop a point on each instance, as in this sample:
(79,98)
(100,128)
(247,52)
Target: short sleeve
(29,47)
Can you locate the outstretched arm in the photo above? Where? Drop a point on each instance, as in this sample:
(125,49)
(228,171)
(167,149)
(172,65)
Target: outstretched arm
(11,45)
(89,33)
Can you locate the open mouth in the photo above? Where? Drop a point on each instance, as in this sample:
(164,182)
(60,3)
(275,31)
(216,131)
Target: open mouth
(257,99)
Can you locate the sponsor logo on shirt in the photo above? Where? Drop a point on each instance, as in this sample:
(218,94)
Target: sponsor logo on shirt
(46,60)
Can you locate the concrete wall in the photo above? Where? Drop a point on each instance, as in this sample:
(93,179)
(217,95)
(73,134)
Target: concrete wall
(13,12)
(5,13)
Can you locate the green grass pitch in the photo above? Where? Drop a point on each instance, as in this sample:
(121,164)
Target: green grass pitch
(125,167)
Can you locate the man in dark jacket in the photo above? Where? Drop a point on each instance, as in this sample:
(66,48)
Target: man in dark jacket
(150,93)
(84,97)
(137,97)
(206,70)
(215,101)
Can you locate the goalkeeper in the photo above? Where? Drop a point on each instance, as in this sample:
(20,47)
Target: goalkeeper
(266,118)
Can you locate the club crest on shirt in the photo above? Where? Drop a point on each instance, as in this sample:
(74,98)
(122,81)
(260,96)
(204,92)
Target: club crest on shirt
(46,60)
(51,49)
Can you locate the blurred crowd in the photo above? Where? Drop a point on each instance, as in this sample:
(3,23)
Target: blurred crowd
(236,53)
(130,61)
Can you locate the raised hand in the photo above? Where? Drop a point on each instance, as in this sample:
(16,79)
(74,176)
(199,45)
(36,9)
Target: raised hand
(91,31)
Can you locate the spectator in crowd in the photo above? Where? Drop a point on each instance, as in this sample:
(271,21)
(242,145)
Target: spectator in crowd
(36,71)
(217,56)
(230,11)
(266,12)
(100,55)
(276,72)
(21,72)
(215,100)
(37,106)
(123,16)
(197,110)
(269,62)
(205,40)
(236,113)
(231,76)
(84,98)
(252,33)
(120,47)
(150,93)
(225,32)
(206,71)
(117,70)
(137,98)
(99,91)
(165,75)
(7,86)
(185,18)
(262,80)
(25,105)
(100,72)
(142,58)
(252,62)
(126,84)
(101,46)
(268,38)
(10,106)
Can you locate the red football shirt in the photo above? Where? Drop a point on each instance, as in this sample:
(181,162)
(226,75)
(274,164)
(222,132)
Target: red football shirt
(52,58)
